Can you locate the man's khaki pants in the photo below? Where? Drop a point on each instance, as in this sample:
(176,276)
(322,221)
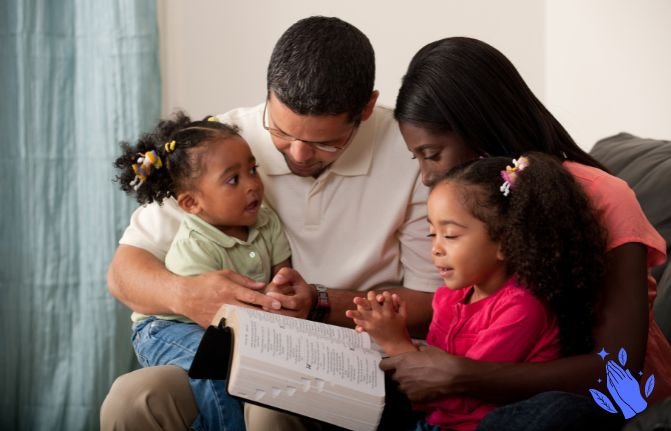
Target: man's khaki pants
(160,398)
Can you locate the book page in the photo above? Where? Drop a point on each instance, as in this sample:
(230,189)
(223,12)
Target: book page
(324,352)
(337,334)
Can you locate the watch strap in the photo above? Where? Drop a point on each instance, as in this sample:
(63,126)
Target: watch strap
(322,306)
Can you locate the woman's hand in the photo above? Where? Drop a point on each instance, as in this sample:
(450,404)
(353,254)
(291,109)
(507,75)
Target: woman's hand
(425,375)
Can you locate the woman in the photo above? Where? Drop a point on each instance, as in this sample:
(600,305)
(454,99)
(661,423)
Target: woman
(463,99)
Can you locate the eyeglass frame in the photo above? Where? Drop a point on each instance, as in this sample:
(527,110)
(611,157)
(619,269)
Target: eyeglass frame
(317,145)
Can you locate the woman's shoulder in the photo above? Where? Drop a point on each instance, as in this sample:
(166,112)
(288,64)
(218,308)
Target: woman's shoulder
(595,180)
(618,209)
(604,190)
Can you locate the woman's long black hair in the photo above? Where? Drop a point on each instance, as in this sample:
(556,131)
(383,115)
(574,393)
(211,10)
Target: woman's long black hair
(468,87)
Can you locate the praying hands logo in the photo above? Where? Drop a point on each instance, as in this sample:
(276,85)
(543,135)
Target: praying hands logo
(623,387)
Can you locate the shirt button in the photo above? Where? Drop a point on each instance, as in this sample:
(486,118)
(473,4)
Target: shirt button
(252,254)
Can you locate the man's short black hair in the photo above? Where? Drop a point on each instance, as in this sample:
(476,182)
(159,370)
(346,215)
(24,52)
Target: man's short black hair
(323,66)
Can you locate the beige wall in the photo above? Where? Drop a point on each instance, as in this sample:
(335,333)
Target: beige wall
(608,67)
(214,53)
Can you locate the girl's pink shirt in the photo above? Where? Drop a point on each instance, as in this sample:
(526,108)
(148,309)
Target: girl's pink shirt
(510,325)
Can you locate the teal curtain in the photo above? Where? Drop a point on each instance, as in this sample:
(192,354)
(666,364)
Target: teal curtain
(76,77)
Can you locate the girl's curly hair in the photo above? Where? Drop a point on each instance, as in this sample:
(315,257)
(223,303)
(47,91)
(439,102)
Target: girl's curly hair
(181,166)
(550,235)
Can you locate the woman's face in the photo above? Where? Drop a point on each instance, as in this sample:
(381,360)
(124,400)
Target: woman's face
(437,153)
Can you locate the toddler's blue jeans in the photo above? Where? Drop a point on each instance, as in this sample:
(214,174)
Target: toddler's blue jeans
(166,342)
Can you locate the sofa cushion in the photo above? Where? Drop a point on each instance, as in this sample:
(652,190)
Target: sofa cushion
(645,164)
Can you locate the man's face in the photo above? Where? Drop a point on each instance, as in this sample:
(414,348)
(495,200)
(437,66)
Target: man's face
(302,138)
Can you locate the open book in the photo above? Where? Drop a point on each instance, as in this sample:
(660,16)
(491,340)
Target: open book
(312,369)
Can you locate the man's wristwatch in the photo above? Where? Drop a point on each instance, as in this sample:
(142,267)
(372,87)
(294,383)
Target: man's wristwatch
(321,308)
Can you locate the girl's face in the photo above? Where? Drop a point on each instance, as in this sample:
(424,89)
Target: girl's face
(437,153)
(229,191)
(462,250)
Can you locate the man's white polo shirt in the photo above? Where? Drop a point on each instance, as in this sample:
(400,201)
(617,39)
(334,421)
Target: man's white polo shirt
(360,225)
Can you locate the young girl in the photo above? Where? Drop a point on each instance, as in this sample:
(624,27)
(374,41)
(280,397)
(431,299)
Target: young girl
(210,170)
(517,287)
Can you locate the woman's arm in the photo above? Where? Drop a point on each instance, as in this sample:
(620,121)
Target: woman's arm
(139,280)
(622,322)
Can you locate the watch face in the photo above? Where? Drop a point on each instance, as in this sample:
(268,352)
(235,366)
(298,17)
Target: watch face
(322,305)
(323,300)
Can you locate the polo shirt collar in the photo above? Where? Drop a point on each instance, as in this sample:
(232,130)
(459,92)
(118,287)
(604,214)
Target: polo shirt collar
(199,225)
(355,159)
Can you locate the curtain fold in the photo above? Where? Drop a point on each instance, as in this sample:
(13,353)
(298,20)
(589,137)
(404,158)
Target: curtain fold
(76,77)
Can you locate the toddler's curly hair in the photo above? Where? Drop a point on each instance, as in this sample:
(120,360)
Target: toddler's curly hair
(181,165)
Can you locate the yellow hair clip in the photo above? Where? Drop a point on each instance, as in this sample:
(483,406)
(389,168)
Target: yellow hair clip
(170,146)
(143,167)
(213,119)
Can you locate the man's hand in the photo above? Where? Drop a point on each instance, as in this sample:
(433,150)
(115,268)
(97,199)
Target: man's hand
(424,375)
(292,292)
(203,295)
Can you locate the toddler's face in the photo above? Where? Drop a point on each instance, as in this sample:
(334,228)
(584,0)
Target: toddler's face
(229,190)
(462,250)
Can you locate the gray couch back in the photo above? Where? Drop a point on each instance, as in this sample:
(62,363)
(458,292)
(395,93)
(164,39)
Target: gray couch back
(645,164)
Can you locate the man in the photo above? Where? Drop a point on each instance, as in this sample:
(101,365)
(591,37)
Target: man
(353,207)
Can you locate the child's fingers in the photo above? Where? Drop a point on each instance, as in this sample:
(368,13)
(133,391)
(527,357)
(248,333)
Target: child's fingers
(373,303)
(397,301)
(381,297)
(362,303)
(388,305)
(360,325)
(353,314)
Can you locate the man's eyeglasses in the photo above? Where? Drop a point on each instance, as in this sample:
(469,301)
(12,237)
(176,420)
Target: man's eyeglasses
(327,146)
